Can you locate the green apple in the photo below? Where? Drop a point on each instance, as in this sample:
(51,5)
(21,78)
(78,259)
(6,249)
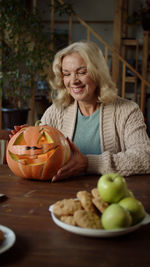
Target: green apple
(112,187)
(115,217)
(135,207)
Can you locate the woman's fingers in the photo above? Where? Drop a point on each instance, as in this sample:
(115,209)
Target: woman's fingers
(16,129)
(77,164)
(64,174)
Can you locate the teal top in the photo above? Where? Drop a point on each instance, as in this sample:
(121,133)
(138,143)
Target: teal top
(87,133)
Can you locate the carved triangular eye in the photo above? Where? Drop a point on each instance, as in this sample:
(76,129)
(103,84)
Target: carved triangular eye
(45,139)
(20,140)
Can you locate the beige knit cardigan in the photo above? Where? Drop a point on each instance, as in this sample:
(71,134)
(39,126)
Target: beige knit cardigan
(124,142)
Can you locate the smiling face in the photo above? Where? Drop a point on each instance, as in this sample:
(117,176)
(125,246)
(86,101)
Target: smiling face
(37,152)
(77,80)
(33,151)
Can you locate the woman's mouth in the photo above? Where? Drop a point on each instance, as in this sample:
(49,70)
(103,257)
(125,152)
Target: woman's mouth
(78,90)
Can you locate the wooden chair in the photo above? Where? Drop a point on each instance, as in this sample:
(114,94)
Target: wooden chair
(4,138)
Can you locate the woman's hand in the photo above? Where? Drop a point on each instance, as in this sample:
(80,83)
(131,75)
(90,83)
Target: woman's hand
(77,164)
(16,129)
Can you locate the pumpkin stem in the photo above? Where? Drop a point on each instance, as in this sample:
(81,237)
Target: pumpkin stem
(37,123)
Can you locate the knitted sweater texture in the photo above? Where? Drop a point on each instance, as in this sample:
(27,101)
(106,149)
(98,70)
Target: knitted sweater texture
(124,142)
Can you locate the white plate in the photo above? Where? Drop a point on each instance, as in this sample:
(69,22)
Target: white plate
(9,240)
(96,232)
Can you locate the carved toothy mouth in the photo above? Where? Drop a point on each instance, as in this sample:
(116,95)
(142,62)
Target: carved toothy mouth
(32,160)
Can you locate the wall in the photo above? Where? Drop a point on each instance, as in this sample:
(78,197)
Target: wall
(97,13)
(98,16)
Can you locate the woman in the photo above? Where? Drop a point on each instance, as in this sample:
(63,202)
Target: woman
(106,133)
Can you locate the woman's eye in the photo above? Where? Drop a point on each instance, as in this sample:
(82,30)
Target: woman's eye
(82,73)
(66,74)
(79,73)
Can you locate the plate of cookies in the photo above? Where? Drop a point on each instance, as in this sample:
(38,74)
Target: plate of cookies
(82,216)
(7,238)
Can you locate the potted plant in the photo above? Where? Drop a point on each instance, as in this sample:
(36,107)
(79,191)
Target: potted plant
(25,57)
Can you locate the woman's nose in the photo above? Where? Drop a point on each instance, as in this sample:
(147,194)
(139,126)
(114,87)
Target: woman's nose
(75,77)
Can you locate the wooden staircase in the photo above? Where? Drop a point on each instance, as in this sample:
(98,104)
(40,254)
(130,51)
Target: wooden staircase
(128,77)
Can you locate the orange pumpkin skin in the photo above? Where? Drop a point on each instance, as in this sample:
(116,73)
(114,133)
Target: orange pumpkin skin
(37,152)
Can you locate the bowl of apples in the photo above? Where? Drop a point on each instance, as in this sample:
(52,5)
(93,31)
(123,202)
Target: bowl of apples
(123,212)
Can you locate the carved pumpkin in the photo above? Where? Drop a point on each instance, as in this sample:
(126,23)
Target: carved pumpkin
(37,152)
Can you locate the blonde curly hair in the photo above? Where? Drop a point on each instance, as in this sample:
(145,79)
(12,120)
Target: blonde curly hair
(96,67)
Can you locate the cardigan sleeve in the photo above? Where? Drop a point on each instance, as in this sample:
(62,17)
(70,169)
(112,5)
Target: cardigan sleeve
(134,154)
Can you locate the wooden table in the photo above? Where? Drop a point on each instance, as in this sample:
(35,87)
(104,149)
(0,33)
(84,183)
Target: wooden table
(40,242)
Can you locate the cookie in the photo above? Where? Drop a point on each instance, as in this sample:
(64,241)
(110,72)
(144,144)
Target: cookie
(69,219)
(87,219)
(66,207)
(95,193)
(86,200)
(100,204)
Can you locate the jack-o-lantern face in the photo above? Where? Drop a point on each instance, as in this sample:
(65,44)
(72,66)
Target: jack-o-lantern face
(37,152)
